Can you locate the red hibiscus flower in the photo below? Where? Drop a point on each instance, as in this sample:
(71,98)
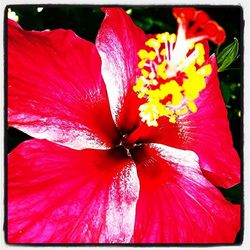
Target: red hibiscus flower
(130,136)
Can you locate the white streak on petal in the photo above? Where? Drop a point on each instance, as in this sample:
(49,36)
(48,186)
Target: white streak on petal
(184,159)
(123,196)
(115,89)
(76,136)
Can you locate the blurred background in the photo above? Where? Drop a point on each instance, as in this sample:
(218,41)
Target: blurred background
(85,22)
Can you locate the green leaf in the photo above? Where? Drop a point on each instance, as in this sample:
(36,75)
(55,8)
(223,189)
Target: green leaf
(228,55)
(217,51)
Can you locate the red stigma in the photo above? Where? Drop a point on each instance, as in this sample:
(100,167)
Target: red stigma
(198,24)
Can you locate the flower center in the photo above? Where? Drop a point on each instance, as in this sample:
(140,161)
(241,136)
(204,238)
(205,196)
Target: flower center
(173,68)
(128,144)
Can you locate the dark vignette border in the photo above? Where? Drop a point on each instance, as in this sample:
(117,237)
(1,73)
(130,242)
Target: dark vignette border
(239,238)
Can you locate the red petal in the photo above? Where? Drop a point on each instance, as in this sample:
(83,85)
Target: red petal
(176,203)
(60,195)
(118,43)
(205,132)
(56,90)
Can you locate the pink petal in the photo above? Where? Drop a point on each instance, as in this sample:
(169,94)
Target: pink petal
(205,132)
(55,88)
(60,195)
(176,203)
(118,43)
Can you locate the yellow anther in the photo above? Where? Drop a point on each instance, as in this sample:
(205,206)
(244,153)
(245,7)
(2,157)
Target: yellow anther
(170,87)
(151,55)
(178,112)
(176,98)
(141,64)
(153,82)
(200,48)
(142,54)
(139,84)
(161,70)
(149,113)
(136,88)
(200,60)
(172,119)
(163,37)
(190,45)
(197,82)
(174,89)
(162,111)
(192,107)
(205,70)
(191,69)
(153,43)
(200,52)
(141,95)
(153,123)
(145,73)
(191,95)
(163,52)
(140,88)
(169,112)
(153,94)
(172,38)
(191,90)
